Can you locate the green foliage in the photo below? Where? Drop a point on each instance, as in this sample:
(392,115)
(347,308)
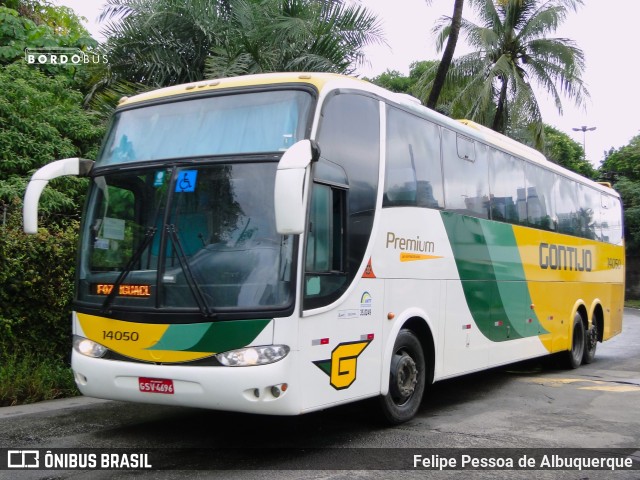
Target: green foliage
(163,42)
(632,303)
(630,192)
(624,161)
(28,378)
(514,46)
(42,25)
(41,120)
(622,168)
(394,81)
(563,150)
(37,278)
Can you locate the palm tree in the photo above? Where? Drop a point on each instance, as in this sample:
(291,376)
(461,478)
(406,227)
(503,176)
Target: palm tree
(513,53)
(451,33)
(294,35)
(163,42)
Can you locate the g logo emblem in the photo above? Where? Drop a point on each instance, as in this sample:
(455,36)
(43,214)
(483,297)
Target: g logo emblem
(343,364)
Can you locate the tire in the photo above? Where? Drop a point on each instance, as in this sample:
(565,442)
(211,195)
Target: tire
(591,343)
(406,379)
(578,339)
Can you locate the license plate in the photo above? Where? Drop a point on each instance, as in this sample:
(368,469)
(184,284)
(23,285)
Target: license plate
(156,385)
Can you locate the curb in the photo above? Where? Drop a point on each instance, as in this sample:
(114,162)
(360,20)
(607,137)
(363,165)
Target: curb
(48,406)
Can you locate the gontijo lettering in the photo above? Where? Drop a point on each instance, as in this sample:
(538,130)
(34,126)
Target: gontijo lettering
(563,257)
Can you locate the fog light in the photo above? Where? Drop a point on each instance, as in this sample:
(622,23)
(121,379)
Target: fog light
(80,379)
(88,347)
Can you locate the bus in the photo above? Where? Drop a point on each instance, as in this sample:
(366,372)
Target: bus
(284,243)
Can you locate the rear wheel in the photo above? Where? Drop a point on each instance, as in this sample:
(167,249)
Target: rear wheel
(591,343)
(406,379)
(575,355)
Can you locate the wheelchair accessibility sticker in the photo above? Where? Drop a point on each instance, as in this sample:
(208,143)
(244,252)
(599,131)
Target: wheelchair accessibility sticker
(186,181)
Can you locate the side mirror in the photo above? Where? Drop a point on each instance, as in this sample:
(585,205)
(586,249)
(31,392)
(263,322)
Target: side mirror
(69,166)
(289,198)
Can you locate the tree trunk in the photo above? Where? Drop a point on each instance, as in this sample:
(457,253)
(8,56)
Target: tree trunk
(499,125)
(447,55)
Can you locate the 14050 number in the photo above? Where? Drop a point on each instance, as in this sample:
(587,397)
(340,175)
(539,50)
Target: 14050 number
(120,336)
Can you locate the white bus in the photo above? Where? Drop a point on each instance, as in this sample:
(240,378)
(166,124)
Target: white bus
(284,243)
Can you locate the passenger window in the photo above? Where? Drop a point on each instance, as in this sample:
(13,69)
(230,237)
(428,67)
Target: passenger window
(467,188)
(413,175)
(508,192)
(541,212)
(611,220)
(567,207)
(588,214)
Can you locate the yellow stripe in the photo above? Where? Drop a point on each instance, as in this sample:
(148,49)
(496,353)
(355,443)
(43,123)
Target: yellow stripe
(557,292)
(111,334)
(412,257)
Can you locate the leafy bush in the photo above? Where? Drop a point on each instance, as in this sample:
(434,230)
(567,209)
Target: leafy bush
(41,120)
(37,276)
(28,378)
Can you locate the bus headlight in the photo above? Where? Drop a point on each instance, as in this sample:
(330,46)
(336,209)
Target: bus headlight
(245,357)
(88,347)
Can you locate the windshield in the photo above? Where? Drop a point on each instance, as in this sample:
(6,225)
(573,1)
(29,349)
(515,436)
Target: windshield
(200,237)
(258,122)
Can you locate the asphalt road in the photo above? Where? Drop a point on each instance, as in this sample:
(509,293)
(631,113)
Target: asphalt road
(525,407)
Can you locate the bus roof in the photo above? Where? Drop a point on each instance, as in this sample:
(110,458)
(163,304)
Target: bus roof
(331,81)
(319,80)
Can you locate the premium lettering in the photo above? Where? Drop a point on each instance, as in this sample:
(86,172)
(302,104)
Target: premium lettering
(563,257)
(409,244)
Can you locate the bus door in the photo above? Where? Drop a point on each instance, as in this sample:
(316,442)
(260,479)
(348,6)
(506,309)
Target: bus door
(340,324)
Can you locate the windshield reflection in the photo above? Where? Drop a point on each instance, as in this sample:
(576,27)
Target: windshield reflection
(201,237)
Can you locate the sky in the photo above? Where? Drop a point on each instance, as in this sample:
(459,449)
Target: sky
(607,31)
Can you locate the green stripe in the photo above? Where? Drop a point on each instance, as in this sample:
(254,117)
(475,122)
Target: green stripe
(211,337)
(492,276)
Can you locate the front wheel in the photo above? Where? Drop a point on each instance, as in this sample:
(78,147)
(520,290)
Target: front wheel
(576,354)
(406,379)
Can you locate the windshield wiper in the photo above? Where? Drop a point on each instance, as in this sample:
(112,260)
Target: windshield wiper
(148,237)
(191,281)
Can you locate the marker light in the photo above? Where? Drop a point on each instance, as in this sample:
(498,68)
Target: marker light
(245,357)
(88,347)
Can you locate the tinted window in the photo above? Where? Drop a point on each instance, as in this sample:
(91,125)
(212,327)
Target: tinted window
(467,185)
(508,189)
(588,213)
(540,198)
(611,220)
(413,175)
(567,207)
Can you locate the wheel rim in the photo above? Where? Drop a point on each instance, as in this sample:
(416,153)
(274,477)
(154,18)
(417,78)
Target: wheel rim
(404,377)
(577,349)
(592,337)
